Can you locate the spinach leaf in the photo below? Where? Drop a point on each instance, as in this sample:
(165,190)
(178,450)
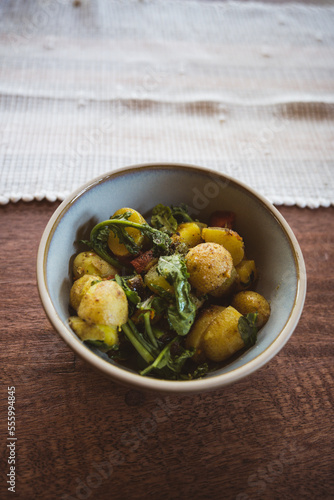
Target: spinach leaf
(181,314)
(247,329)
(162,219)
(175,363)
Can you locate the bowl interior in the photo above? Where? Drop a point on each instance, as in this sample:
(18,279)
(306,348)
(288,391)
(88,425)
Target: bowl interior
(266,237)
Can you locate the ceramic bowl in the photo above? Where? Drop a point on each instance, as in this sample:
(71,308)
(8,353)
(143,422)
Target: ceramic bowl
(268,240)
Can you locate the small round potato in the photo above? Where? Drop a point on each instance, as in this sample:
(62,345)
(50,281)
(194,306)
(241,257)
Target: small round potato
(80,287)
(91,263)
(90,331)
(104,303)
(227,287)
(209,265)
(119,249)
(250,302)
(222,338)
(195,336)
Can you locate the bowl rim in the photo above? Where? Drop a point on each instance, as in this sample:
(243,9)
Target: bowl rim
(132,379)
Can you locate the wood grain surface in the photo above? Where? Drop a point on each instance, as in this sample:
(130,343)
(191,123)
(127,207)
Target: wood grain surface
(80,436)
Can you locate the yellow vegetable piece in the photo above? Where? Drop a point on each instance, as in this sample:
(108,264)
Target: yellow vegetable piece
(222,338)
(201,225)
(105,303)
(80,287)
(153,279)
(230,240)
(250,302)
(195,336)
(190,233)
(86,331)
(91,263)
(119,249)
(247,273)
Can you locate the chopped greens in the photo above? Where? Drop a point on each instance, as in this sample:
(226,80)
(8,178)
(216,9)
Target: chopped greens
(99,243)
(248,329)
(131,295)
(161,241)
(162,219)
(181,213)
(181,314)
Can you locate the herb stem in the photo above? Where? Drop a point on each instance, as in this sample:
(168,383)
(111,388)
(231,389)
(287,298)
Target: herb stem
(139,336)
(137,343)
(158,238)
(157,359)
(148,329)
(105,256)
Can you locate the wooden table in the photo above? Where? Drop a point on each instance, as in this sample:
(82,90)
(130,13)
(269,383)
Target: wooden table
(81,436)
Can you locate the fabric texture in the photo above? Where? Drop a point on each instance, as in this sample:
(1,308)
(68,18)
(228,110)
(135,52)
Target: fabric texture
(243,88)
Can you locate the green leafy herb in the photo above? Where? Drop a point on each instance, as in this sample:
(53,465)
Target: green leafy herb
(176,363)
(167,365)
(248,329)
(131,295)
(162,219)
(200,371)
(144,348)
(99,243)
(161,291)
(181,314)
(160,361)
(161,241)
(155,303)
(181,214)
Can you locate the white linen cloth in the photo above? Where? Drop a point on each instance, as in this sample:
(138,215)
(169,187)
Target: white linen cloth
(243,88)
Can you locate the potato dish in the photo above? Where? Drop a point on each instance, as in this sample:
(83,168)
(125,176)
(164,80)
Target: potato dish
(171,298)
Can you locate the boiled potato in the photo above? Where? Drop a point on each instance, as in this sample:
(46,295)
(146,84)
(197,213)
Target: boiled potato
(190,233)
(250,302)
(119,249)
(208,265)
(230,240)
(89,331)
(227,286)
(104,303)
(91,263)
(153,279)
(247,274)
(195,336)
(80,288)
(222,338)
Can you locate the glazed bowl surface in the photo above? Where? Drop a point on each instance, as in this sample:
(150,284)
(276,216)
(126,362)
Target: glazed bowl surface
(268,240)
